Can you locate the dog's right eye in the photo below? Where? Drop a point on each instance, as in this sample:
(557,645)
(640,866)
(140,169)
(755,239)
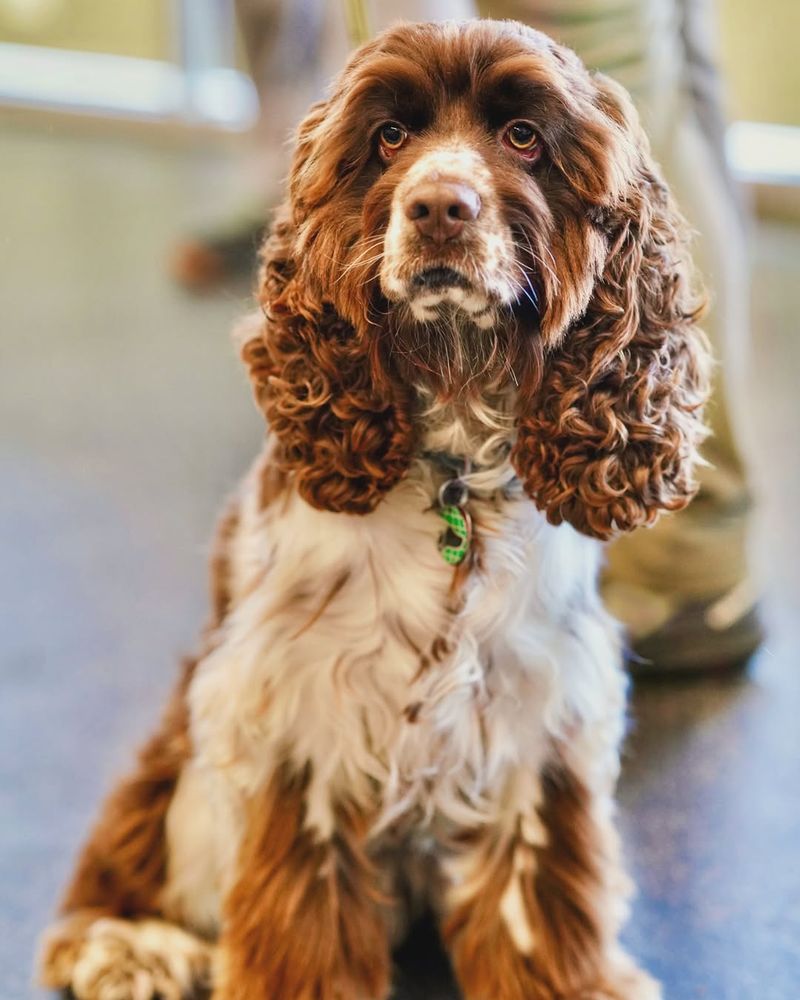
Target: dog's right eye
(392,136)
(521,136)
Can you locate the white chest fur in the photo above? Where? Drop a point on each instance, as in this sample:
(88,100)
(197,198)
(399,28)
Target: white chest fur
(347,653)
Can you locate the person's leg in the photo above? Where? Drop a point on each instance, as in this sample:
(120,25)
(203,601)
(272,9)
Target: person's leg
(689,574)
(295,47)
(682,587)
(280,39)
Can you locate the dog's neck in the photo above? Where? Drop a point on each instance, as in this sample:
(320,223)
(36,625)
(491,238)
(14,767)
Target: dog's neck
(474,433)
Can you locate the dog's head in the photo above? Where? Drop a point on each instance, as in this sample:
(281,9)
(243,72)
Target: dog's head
(471,210)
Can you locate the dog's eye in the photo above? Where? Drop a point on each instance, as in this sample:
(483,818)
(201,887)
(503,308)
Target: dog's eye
(392,137)
(522,137)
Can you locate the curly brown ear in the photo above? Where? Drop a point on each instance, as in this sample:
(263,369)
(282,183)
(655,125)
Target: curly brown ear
(343,429)
(611,434)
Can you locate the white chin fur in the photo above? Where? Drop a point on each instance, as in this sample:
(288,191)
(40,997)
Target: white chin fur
(425,307)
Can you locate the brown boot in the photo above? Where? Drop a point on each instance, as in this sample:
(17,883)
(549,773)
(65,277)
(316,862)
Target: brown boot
(204,262)
(702,637)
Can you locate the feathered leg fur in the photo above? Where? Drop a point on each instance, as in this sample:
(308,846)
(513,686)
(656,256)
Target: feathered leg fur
(304,918)
(534,906)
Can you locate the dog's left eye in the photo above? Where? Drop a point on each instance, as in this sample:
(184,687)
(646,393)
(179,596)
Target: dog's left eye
(392,136)
(522,137)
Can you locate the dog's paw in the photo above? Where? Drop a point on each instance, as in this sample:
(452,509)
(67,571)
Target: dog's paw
(103,958)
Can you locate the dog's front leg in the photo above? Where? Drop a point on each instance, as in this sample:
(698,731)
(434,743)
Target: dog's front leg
(534,906)
(303,919)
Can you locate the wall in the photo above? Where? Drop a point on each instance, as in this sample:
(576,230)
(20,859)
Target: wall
(760,49)
(124,27)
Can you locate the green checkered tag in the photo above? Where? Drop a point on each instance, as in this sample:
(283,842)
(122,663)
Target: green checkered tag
(454,542)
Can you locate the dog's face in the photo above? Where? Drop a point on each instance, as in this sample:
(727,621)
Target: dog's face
(447,243)
(460,172)
(467,193)
(472,210)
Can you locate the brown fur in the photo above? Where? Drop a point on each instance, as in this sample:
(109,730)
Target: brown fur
(566,892)
(272,479)
(345,438)
(304,919)
(567,897)
(615,421)
(122,866)
(486,961)
(219,563)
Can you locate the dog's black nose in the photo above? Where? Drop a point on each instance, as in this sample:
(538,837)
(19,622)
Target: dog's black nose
(439,209)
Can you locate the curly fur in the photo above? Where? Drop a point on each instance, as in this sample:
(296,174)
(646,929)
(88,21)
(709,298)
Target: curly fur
(611,368)
(614,426)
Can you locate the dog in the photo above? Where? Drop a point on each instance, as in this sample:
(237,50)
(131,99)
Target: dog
(478,357)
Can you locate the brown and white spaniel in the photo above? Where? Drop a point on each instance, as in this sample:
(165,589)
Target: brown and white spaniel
(477,357)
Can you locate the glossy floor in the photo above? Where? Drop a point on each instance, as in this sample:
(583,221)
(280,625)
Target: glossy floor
(123,421)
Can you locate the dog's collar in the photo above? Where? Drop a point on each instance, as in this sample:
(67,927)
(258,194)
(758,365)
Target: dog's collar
(452,499)
(457,466)
(452,465)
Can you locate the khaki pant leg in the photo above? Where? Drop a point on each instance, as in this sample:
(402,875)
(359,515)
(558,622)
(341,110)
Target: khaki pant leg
(294,48)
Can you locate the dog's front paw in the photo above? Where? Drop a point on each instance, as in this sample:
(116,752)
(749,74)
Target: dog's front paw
(103,958)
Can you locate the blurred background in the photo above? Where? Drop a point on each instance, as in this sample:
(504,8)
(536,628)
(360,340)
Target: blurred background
(132,134)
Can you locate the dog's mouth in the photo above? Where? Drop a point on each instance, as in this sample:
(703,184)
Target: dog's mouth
(435,279)
(435,290)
